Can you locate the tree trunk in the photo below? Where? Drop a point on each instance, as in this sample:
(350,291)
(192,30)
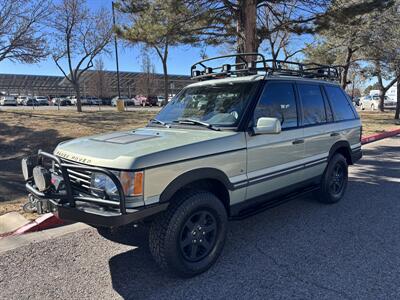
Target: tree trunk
(165,70)
(382,100)
(346,67)
(397,113)
(246,28)
(381,86)
(249,13)
(78,97)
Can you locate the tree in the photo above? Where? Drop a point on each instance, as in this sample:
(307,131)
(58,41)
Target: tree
(22,38)
(100,82)
(383,51)
(79,36)
(250,22)
(343,31)
(162,24)
(277,37)
(146,83)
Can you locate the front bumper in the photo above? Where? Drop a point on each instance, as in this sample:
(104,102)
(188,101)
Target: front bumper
(71,205)
(102,218)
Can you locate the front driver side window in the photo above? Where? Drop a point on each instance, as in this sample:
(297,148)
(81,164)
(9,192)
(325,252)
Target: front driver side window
(278,101)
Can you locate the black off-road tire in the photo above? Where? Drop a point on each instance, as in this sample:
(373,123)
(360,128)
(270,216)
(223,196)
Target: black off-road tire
(171,232)
(334,181)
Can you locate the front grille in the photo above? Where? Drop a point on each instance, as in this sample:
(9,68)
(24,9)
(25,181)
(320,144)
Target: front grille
(80,179)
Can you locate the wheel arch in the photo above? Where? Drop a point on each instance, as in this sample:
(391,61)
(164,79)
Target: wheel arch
(211,179)
(342,147)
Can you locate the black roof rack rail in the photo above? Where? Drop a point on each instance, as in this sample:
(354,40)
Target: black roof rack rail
(254,63)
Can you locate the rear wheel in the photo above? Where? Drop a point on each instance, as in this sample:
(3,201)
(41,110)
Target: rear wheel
(334,181)
(188,238)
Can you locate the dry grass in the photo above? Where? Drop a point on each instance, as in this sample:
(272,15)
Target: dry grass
(376,122)
(24,132)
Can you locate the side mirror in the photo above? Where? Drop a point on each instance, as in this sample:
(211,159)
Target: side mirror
(267,126)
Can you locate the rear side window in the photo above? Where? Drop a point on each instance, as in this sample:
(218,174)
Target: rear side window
(313,104)
(340,105)
(278,101)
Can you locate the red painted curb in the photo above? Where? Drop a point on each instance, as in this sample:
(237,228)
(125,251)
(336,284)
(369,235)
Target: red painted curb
(45,221)
(375,137)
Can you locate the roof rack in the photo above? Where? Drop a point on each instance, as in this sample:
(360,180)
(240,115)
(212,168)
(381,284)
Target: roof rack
(254,63)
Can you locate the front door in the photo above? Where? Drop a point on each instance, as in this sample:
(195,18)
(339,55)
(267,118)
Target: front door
(274,161)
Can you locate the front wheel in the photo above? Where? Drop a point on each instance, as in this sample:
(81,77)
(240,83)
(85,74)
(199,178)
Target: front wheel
(188,238)
(334,180)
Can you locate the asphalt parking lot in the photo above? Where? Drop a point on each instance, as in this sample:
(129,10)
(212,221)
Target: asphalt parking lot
(300,250)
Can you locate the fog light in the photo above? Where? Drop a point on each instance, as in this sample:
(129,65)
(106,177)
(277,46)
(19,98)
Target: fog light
(27,164)
(42,178)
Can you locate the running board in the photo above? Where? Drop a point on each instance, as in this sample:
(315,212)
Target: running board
(253,210)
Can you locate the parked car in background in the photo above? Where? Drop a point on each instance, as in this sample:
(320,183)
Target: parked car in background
(106,101)
(160,100)
(127,101)
(151,101)
(42,100)
(373,102)
(62,101)
(93,100)
(139,100)
(84,100)
(389,103)
(8,100)
(356,101)
(21,99)
(30,102)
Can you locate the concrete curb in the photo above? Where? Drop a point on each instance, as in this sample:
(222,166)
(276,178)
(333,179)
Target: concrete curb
(45,221)
(379,136)
(16,241)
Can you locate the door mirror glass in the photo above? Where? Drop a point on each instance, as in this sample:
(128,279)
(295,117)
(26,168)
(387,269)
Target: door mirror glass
(267,126)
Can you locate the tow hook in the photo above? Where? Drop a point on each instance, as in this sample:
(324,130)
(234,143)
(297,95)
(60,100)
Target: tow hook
(41,206)
(30,206)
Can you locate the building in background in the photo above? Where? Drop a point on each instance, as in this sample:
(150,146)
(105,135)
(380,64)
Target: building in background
(392,92)
(101,84)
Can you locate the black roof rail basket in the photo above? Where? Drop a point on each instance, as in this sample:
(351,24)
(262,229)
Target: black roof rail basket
(255,63)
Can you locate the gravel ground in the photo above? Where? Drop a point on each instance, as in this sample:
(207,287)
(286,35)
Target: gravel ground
(301,250)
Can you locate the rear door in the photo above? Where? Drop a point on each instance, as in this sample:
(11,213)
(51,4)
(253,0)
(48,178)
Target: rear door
(274,160)
(317,121)
(346,127)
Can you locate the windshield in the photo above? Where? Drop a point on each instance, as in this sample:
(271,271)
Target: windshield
(215,104)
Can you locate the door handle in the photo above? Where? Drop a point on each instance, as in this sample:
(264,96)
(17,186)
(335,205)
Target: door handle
(296,142)
(334,134)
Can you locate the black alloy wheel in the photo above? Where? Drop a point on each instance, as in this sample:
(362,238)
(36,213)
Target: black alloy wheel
(197,237)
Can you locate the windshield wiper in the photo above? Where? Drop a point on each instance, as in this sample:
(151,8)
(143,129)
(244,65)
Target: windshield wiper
(159,122)
(196,122)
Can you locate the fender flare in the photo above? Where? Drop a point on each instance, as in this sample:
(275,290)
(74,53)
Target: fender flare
(338,145)
(192,176)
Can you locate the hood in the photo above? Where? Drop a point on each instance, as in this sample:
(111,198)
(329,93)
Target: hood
(147,147)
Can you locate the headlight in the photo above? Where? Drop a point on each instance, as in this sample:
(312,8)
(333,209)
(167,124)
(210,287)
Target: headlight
(132,183)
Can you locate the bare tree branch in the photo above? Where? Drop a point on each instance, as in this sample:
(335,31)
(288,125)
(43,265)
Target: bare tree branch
(80,36)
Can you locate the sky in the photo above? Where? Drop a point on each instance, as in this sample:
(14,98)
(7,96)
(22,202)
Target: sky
(179,62)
